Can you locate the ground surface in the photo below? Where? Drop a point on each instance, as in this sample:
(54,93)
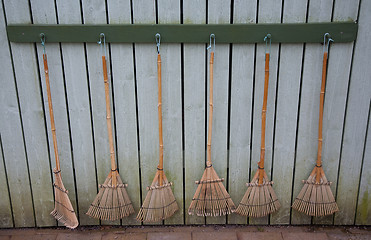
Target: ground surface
(191,233)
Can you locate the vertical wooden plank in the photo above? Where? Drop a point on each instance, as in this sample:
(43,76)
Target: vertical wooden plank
(194,106)
(43,13)
(307,139)
(241,108)
(269,12)
(6,218)
(119,12)
(69,12)
(94,12)
(12,138)
(287,112)
(146,74)
(339,62)
(169,12)
(363,214)
(28,85)
(219,12)
(356,112)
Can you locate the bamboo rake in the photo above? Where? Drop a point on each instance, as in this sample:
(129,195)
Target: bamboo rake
(160,202)
(316,198)
(260,198)
(63,210)
(112,201)
(211,197)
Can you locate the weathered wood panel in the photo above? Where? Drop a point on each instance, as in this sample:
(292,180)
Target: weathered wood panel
(242,82)
(339,67)
(33,118)
(6,217)
(289,81)
(169,12)
(78,99)
(307,133)
(125,107)
(146,77)
(356,119)
(13,150)
(363,216)
(219,12)
(194,107)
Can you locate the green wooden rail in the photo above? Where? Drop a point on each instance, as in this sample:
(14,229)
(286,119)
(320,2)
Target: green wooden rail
(185,33)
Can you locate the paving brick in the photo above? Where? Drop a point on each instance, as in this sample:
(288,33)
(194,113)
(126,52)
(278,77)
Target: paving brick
(304,236)
(79,236)
(125,236)
(5,237)
(44,237)
(169,236)
(214,235)
(259,236)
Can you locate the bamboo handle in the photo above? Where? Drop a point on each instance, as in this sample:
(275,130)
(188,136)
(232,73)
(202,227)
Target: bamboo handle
(264,110)
(46,70)
(322,96)
(211,109)
(161,157)
(109,123)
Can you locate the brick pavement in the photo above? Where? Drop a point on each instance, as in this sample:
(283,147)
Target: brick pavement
(216,232)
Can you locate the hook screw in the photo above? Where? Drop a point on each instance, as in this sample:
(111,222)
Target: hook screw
(158,42)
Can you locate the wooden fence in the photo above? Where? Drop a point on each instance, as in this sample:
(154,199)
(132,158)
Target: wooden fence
(26,160)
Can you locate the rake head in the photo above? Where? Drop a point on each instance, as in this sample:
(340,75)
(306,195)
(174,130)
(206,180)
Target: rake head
(211,197)
(160,202)
(260,199)
(316,198)
(112,202)
(63,210)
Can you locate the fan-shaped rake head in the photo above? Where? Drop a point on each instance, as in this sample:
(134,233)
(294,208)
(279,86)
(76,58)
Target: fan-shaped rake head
(316,198)
(112,202)
(260,199)
(160,202)
(63,210)
(211,197)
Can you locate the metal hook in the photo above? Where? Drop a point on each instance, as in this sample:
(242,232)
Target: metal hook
(104,43)
(158,42)
(268,36)
(327,35)
(211,37)
(42,37)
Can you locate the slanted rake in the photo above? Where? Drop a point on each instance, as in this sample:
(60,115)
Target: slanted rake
(112,201)
(160,202)
(316,198)
(211,197)
(260,198)
(63,210)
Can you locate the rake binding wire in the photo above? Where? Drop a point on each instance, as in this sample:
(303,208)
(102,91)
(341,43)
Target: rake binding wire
(316,198)
(260,198)
(160,202)
(211,197)
(63,210)
(112,201)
